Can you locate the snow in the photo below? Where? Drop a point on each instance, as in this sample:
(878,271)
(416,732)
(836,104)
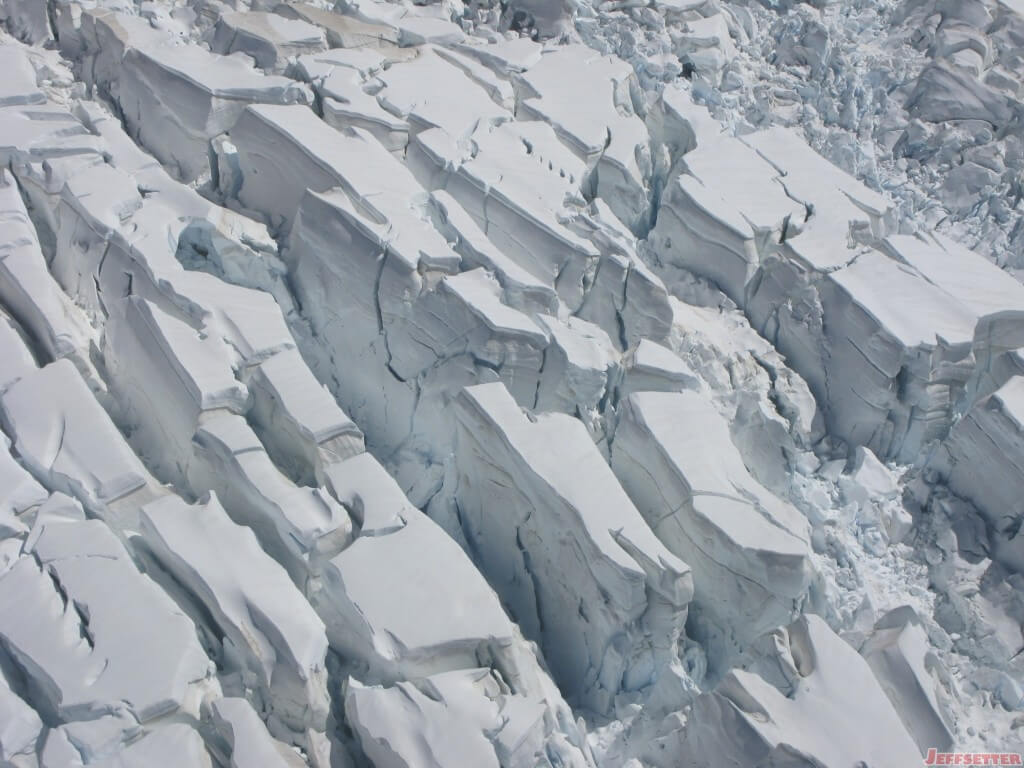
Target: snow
(749,550)
(62,603)
(265,626)
(510,384)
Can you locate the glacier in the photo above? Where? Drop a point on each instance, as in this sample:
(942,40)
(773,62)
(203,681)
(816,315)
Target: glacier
(439,384)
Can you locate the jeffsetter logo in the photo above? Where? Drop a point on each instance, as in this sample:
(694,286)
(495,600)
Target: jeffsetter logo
(935,757)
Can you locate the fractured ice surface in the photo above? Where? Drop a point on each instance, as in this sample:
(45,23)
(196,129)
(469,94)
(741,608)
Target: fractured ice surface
(262,623)
(582,595)
(749,551)
(63,627)
(72,445)
(379,379)
(810,698)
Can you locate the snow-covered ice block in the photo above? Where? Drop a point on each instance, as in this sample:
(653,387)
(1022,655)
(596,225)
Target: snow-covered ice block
(27,20)
(835,203)
(982,461)
(814,701)
(19,84)
(748,549)
(465,717)
(299,151)
(250,321)
(94,743)
(248,743)
(498,88)
(20,729)
(420,30)
(885,325)
(912,676)
(522,290)
(588,99)
(409,603)
(945,92)
(466,315)
(569,553)
(167,376)
(347,104)
(72,445)
(724,213)
(577,366)
(270,39)
(505,56)
(371,496)
(57,508)
(343,31)
(302,425)
(63,620)
(419,333)
(268,631)
(432,92)
(650,367)
(14,351)
(28,292)
(44,132)
(19,492)
(992,295)
(297,526)
(176,98)
(706,45)
(515,187)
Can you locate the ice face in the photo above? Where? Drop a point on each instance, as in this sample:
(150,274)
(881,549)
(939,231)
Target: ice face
(523,384)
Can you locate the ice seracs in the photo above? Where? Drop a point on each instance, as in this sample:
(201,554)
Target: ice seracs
(254,617)
(63,630)
(807,676)
(584,597)
(73,446)
(911,676)
(410,377)
(749,551)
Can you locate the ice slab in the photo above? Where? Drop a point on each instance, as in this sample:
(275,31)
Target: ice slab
(176,98)
(342,31)
(249,745)
(302,425)
(296,525)
(21,726)
(432,92)
(379,600)
(522,290)
(270,39)
(587,99)
(515,185)
(63,620)
(982,461)
(267,629)
(370,494)
(465,717)
(167,375)
(605,554)
(910,673)
(816,701)
(72,446)
(28,292)
(19,86)
(749,550)
(651,367)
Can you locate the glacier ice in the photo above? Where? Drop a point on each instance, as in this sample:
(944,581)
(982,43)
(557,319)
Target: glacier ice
(401,383)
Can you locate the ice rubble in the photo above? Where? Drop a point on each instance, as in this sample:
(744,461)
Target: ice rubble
(353,414)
